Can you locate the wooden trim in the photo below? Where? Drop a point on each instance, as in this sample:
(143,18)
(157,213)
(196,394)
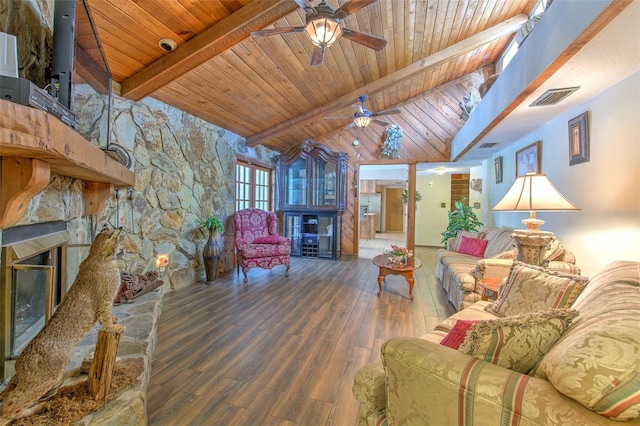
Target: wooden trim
(22,179)
(206,45)
(27,132)
(94,195)
(411,208)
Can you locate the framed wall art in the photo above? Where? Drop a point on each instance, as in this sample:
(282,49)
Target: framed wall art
(497,167)
(528,159)
(579,139)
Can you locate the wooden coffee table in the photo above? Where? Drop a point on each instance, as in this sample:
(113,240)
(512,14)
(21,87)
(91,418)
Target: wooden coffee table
(388,268)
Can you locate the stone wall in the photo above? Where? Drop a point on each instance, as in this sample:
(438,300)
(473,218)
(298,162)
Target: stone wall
(184,166)
(184,171)
(31,22)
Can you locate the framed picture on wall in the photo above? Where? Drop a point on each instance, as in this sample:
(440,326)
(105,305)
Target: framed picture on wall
(579,139)
(528,159)
(497,167)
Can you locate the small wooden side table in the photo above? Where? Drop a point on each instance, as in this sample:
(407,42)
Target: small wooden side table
(490,287)
(388,268)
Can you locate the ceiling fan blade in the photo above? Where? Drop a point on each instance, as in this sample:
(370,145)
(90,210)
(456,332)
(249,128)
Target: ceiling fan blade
(380,122)
(387,112)
(317,56)
(276,31)
(352,6)
(372,42)
(340,117)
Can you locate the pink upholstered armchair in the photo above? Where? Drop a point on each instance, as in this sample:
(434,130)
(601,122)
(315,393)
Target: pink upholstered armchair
(258,243)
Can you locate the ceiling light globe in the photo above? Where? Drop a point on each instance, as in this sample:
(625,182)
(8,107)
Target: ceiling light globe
(323,32)
(362,121)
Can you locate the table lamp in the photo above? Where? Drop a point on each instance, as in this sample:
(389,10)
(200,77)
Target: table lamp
(533,192)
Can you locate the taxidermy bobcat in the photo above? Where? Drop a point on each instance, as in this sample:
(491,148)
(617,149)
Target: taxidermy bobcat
(42,363)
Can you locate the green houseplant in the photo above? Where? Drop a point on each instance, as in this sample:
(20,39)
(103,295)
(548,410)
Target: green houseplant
(461,219)
(392,142)
(211,250)
(405,196)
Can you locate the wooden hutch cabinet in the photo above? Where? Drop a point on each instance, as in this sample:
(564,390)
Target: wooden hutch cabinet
(312,189)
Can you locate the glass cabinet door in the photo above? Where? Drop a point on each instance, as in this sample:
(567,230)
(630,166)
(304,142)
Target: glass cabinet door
(326,235)
(324,184)
(295,183)
(293,230)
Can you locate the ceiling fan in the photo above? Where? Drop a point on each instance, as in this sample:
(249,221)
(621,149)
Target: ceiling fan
(323,27)
(363,116)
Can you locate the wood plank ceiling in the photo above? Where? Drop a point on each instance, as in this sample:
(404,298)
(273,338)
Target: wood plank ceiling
(263,88)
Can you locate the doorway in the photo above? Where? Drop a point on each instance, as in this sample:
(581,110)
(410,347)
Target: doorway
(381,209)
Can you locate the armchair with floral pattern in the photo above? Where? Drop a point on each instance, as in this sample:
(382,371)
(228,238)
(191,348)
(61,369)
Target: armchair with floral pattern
(258,243)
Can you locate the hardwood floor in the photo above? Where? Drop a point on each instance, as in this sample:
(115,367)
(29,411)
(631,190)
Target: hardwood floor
(282,351)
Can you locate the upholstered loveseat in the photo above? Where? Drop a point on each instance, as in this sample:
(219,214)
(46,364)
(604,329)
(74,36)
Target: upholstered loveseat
(589,376)
(461,273)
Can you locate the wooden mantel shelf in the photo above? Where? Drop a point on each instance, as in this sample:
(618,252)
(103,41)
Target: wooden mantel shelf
(34,144)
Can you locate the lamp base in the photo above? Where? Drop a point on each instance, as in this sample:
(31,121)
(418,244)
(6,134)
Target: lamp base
(531,245)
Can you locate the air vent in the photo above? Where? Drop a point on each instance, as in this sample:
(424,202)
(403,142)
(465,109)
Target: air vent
(488,145)
(553,96)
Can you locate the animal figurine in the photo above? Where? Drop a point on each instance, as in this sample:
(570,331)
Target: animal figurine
(41,364)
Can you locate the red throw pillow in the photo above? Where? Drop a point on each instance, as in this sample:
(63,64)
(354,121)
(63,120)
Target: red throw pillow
(456,335)
(473,246)
(271,239)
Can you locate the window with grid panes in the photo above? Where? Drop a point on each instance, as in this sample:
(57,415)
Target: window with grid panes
(253,186)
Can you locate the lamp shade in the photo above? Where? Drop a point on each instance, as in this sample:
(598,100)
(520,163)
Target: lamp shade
(362,121)
(534,192)
(323,31)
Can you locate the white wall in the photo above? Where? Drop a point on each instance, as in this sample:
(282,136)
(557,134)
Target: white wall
(607,188)
(476,196)
(431,219)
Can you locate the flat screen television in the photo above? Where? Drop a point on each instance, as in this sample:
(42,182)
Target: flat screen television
(79,68)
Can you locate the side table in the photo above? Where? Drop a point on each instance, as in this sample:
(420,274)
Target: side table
(490,287)
(388,268)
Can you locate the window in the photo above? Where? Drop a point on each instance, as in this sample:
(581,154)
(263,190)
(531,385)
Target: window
(512,48)
(253,186)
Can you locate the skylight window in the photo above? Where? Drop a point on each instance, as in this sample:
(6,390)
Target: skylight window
(512,48)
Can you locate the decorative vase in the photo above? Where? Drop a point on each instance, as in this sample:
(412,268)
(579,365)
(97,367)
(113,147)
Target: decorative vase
(211,256)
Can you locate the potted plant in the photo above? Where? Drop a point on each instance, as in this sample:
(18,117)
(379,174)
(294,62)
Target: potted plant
(211,249)
(461,219)
(392,142)
(405,196)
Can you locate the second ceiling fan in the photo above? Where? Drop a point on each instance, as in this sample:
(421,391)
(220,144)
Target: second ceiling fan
(363,116)
(323,27)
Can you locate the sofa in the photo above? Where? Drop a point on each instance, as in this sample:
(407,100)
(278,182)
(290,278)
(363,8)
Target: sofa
(460,273)
(588,375)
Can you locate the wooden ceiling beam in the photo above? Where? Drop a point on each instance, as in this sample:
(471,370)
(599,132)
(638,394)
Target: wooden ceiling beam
(500,30)
(213,41)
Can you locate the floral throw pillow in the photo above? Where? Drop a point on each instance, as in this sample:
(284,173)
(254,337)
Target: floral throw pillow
(531,288)
(519,342)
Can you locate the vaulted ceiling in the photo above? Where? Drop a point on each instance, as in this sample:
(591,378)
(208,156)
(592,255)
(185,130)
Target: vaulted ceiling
(264,89)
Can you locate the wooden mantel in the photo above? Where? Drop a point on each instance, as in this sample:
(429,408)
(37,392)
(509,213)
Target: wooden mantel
(34,144)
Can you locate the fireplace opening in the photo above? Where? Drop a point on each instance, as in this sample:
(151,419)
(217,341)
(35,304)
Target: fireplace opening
(32,284)
(35,292)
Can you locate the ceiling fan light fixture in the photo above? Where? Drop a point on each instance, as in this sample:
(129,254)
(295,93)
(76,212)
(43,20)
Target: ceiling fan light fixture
(323,32)
(362,121)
